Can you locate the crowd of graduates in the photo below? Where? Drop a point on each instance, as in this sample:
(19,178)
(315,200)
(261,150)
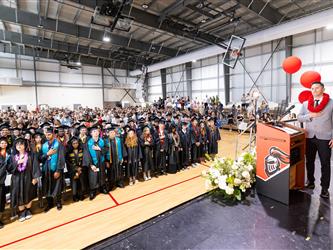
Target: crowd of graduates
(97,150)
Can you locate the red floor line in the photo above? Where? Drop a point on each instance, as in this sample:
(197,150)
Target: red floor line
(49,229)
(122,203)
(88,215)
(114,200)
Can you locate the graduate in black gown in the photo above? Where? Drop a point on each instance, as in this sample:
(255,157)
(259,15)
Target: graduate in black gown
(25,172)
(5,132)
(147,147)
(185,142)
(115,153)
(204,140)
(94,161)
(74,161)
(53,160)
(4,160)
(134,156)
(161,147)
(195,142)
(174,149)
(214,137)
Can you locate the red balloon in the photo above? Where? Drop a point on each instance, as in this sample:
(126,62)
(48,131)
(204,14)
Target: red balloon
(304,96)
(291,64)
(309,77)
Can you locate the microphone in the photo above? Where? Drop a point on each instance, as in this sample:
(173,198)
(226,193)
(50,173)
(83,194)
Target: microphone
(287,111)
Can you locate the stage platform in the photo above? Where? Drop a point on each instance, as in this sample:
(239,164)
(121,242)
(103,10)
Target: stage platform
(83,223)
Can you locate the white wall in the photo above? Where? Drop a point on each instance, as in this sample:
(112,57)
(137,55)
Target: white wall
(314,48)
(59,86)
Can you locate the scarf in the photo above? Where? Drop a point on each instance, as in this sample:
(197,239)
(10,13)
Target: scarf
(321,106)
(118,148)
(21,167)
(52,160)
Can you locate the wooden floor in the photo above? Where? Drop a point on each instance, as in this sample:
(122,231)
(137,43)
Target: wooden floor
(81,224)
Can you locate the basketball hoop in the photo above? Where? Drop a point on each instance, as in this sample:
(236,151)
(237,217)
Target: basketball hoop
(235,54)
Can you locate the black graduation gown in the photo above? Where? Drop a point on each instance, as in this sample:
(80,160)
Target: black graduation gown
(53,187)
(203,144)
(214,137)
(134,155)
(161,149)
(74,161)
(195,150)
(186,147)
(22,191)
(174,154)
(96,179)
(115,171)
(3,174)
(148,154)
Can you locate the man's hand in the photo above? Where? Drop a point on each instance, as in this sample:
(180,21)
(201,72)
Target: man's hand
(56,175)
(331,143)
(96,148)
(52,151)
(93,168)
(34,182)
(314,115)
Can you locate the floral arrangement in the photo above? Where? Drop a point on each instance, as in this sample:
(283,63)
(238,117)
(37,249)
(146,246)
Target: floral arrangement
(232,178)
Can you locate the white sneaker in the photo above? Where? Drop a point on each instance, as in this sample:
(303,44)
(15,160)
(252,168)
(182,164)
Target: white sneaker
(149,178)
(22,217)
(28,215)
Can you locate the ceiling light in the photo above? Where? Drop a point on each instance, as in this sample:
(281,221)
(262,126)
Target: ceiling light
(194,60)
(329,26)
(106,39)
(204,20)
(145,6)
(78,63)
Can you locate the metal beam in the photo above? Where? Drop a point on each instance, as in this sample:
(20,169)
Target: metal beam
(163,80)
(188,68)
(201,11)
(50,54)
(35,77)
(176,6)
(154,21)
(289,52)
(262,9)
(70,48)
(226,78)
(31,19)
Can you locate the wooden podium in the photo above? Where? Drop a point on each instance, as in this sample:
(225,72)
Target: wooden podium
(280,160)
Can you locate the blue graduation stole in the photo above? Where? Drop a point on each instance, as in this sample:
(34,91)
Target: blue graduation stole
(92,152)
(53,159)
(119,149)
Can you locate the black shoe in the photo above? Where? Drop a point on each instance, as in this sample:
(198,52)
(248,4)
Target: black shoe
(310,185)
(75,198)
(92,196)
(1,224)
(104,191)
(324,194)
(81,197)
(59,206)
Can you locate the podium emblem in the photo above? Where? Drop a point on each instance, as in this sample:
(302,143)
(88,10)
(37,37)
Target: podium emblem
(275,161)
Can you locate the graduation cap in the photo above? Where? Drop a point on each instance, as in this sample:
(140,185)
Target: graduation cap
(94,127)
(45,124)
(4,126)
(112,127)
(49,130)
(127,128)
(82,120)
(130,120)
(39,133)
(184,123)
(161,121)
(156,119)
(194,118)
(142,119)
(16,128)
(210,119)
(3,139)
(20,140)
(145,128)
(27,132)
(81,127)
(76,124)
(73,138)
(168,114)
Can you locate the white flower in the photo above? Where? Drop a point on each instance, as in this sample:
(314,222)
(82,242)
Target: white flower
(234,166)
(208,184)
(222,182)
(229,190)
(237,181)
(246,174)
(249,167)
(214,172)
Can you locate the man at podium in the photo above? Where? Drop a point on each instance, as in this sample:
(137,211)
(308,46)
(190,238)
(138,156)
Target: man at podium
(316,113)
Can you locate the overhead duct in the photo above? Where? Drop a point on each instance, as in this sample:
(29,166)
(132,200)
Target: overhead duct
(296,26)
